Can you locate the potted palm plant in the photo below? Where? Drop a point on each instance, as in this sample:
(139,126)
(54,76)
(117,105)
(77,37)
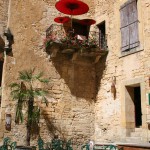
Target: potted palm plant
(25,93)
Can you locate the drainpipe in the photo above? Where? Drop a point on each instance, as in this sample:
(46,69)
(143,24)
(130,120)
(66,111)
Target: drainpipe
(3,106)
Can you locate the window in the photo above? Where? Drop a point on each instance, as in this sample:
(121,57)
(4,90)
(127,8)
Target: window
(102,35)
(129,25)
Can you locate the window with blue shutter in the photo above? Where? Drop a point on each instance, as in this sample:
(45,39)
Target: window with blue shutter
(129,25)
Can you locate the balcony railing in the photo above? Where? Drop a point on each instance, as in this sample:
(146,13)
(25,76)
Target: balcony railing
(67,41)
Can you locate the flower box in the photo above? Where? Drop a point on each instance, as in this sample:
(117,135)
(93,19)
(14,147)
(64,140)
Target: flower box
(76,45)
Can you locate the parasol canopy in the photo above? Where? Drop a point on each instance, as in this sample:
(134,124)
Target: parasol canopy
(87,21)
(72,7)
(62,19)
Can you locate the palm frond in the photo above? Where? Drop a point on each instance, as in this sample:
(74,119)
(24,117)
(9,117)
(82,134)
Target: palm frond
(24,92)
(19,108)
(18,93)
(38,76)
(14,85)
(29,93)
(26,75)
(15,91)
(40,92)
(19,115)
(44,80)
(37,93)
(15,94)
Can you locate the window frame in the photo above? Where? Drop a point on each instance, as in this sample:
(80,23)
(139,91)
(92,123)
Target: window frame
(128,43)
(102,35)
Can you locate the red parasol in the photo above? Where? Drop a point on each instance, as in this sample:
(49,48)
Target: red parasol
(87,22)
(62,19)
(72,7)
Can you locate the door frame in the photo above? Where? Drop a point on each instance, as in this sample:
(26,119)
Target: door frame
(128,124)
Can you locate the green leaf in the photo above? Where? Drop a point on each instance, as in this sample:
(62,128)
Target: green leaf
(39,92)
(26,75)
(24,92)
(38,76)
(14,85)
(19,114)
(44,80)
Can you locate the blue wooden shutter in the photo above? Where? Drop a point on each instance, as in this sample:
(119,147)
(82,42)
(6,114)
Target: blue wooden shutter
(124,28)
(133,24)
(129,25)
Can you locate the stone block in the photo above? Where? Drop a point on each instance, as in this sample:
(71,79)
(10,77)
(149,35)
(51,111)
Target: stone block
(1,134)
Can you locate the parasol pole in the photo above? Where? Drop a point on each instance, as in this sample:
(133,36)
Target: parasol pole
(71,21)
(72,30)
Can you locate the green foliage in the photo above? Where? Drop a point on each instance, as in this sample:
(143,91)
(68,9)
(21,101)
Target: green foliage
(8,145)
(29,76)
(54,144)
(111,147)
(18,93)
(25,93)
(40,143)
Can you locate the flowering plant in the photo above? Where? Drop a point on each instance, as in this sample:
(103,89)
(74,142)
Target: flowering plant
(71,41)
(88,43)
(49,40)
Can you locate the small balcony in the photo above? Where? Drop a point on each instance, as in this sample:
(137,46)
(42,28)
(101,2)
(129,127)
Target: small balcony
(61,39)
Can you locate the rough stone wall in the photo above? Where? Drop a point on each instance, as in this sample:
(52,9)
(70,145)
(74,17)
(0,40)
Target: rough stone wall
(3,25)
(108,112)
(81,103)
(146,55)
(72,85)
(3,15)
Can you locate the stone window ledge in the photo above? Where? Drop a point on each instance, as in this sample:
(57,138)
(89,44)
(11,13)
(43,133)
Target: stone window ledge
(132,51)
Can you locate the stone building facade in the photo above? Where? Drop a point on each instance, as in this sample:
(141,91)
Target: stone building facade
(82,105)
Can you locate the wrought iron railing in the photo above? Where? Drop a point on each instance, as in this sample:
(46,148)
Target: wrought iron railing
(63,34)
(56,30)
(101,40)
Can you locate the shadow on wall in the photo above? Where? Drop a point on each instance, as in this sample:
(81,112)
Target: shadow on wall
(99,70)
(81,76)
(52,128)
